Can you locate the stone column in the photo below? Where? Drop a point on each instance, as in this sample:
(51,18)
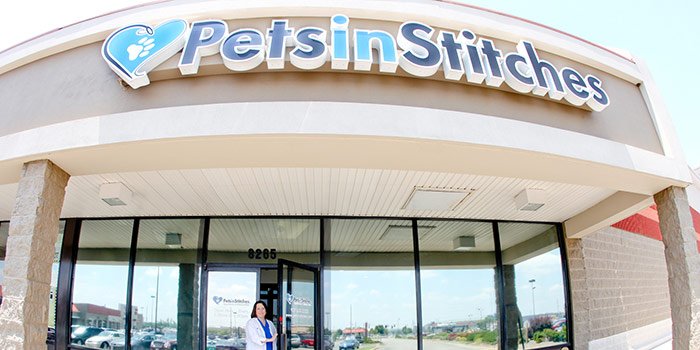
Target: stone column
(30,252)
(683,265)
(513,318)
(580,297)
(186,301)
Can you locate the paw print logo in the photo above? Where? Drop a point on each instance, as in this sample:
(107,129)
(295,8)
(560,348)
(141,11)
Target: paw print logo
(141,49)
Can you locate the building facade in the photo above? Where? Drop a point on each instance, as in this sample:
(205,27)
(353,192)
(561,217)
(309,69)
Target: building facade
(434,174)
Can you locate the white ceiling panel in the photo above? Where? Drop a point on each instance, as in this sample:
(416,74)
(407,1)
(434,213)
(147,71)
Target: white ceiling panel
(302,191)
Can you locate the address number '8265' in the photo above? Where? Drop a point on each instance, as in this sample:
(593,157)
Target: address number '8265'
(259,254)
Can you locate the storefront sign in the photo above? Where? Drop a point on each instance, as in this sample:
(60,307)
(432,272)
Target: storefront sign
(135,50)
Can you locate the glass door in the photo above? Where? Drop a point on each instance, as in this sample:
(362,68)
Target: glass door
(299,307)
(231,294)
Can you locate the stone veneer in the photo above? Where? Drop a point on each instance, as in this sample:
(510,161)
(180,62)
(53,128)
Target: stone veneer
(618,283)
(680,240)
(30,252)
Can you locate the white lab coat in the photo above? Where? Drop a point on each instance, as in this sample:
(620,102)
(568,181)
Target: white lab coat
(255,335)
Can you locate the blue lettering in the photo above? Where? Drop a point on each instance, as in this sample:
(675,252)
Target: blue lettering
(494,76)
(311,51)
(452,63)
(243,49)
(203,41)
(600,98)
(549,83)
(421,56)
(381,41)
(339,42)
(279,37)
(474,69)
(514,77)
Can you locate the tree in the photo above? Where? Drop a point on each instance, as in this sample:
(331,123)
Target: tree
(378,329)
(484,323)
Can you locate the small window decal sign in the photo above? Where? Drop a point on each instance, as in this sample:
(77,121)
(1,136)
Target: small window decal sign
(133,51)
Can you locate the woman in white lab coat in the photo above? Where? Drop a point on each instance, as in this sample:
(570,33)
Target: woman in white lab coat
(260,333)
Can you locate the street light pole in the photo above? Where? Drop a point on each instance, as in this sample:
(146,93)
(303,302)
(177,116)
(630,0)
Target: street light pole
(532,285)
(155,327)
(153,308)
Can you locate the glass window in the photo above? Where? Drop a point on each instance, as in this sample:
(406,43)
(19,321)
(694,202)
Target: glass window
(100,281)
(231,295)
(534,288)
(4,229)
(166,283)
(458,284)
(263,241)
(369,283)
(51,336)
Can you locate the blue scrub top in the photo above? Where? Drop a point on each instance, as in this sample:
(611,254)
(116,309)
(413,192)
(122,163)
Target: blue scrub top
(268,335)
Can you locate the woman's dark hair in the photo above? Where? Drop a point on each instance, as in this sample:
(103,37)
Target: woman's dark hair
(267,311)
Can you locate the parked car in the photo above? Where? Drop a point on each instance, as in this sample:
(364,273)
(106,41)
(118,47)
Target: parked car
(307,340)
(328,343)
(559,324)
(167,341)
(230,344)
(105,340)
(51,336)
(295,341)
(142,341)
(349,343)
(82,333)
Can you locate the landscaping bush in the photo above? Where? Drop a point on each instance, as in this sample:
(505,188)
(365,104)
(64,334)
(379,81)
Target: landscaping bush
(538,323)
(550,334)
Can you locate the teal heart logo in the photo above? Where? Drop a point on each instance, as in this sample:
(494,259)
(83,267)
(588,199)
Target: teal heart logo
(135,50)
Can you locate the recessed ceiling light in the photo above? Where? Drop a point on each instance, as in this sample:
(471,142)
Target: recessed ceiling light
(435,199)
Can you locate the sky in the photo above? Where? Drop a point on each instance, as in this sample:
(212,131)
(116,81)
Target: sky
(649,29)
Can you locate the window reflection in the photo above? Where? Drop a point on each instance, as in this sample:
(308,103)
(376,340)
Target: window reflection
(4,227)
(51,335)
(166,284)
(457,284)
(369,284)
(264,241)
(534,288)
(100,281)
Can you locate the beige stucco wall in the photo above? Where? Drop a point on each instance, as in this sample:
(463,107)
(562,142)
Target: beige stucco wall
(77,83)
(619,283)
